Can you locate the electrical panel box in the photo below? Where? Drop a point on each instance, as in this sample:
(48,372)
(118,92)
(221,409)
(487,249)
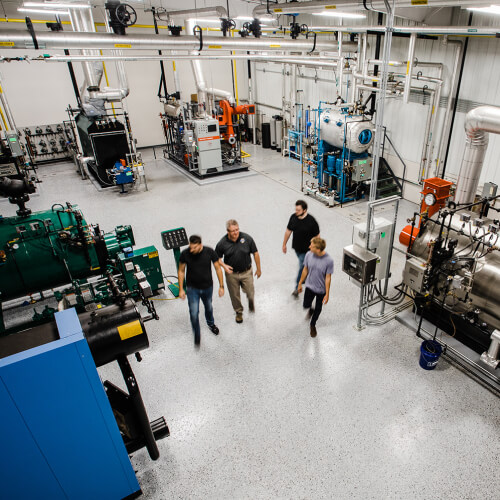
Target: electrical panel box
(380,241)
(362,170)
(489,189)
(207,138)
(413,274)
(147,260)
(360,264)
(14,144)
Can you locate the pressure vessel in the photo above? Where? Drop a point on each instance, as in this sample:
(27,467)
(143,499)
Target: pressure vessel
(355,132)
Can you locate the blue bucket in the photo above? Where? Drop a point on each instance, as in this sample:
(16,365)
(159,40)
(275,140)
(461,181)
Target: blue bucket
(430,350)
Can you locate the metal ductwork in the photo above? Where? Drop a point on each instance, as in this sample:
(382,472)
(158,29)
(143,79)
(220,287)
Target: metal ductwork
(350,5)
(83,22)
(478,122)
(22,39)
(201,85)
(195,13)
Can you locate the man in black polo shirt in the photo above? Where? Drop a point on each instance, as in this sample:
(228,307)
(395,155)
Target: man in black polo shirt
(198,259)
(236,248)
(304,228)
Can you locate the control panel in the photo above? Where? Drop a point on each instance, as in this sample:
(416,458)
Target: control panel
(207,134)
(174,238)
(362,170)
(360,264)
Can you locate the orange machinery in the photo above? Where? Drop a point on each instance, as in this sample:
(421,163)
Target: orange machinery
(435,193)
(226,118)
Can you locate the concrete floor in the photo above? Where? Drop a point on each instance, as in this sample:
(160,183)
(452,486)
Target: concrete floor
(263,410)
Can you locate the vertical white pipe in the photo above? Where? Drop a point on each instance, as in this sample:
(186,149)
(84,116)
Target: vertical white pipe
(341,65)
(409,67)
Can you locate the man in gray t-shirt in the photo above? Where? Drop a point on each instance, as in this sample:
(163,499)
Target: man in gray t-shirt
(317,274)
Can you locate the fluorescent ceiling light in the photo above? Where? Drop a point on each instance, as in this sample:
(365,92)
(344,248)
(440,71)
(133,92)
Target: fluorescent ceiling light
(56,5)
(44,11)
(347,15)
(197,20)
(492,9)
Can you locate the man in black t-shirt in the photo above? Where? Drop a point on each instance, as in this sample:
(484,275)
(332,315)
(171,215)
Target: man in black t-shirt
(236,248)
(198,260)
(304,228)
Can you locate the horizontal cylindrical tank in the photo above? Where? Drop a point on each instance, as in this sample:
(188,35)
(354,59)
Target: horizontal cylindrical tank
(485,293)
(339,129)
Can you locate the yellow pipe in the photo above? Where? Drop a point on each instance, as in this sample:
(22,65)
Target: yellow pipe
(235,78)
(107,82)
(3,119)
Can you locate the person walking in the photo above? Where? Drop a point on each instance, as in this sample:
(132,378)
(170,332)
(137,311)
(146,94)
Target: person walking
(197,259)
(236,248)
(317,275)
(304,227)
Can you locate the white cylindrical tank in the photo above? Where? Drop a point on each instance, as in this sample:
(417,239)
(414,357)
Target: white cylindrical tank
(279,133)
(339,129)
(173,109)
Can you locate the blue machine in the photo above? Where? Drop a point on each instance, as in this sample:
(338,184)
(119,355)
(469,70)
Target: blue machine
(122,175)
(59,436)
(341,160)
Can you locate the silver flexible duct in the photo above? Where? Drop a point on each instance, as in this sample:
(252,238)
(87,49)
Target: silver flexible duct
(478,122)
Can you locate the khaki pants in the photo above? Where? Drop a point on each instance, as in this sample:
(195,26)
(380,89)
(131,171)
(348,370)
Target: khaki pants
(236,280)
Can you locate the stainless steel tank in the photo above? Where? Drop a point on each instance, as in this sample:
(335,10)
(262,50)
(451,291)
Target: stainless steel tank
(355,131)
(485,292)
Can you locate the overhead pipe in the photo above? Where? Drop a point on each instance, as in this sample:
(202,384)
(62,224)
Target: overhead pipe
(218,11)
(420,30)
(9,117)
(350,5)
(409,67)
(22,39)
(478,122)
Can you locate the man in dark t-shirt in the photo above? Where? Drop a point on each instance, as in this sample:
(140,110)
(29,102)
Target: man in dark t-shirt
(236,248)
(198,259)
(304,228)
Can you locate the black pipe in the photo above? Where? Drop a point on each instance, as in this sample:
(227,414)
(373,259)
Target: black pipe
(73,80)
(455,104)
(163,81)
(378,43)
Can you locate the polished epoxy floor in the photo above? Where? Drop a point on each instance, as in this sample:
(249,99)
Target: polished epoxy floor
(263,410)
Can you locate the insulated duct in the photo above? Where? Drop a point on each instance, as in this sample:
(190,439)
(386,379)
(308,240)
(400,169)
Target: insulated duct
(194,13)
(350,5)
(22,39)
(478,122)
(202,86)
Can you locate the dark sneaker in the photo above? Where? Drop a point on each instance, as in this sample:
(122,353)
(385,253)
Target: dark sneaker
(239,318)
(251,306)
(313,331)
(214,329)
(295,294)
(196,339)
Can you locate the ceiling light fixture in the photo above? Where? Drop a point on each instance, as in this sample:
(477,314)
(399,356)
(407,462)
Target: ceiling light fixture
(44,11)
(346,15)
(492,9)
(56,5)
(198,20)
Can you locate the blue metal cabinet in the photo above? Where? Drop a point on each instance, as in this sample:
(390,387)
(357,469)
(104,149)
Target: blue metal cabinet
(58,435)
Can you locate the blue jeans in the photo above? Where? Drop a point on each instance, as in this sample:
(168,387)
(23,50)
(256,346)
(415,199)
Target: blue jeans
(301,257)
(194,295)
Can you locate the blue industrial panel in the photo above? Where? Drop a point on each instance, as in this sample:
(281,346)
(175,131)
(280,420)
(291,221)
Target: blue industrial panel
(23,469)
(61,399)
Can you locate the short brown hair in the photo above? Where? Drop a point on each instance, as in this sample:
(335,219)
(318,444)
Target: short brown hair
(231,222)
(319,243)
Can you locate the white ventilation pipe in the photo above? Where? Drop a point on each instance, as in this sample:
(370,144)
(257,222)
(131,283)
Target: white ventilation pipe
(21,39)
(478,122)
(195,13)
(350,5)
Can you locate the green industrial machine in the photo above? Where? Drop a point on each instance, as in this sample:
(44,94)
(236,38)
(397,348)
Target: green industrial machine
(174,239)
(57,248)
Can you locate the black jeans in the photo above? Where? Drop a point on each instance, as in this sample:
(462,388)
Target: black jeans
(309,296)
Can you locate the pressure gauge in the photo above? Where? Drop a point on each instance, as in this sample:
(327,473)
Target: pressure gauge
(430,199)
